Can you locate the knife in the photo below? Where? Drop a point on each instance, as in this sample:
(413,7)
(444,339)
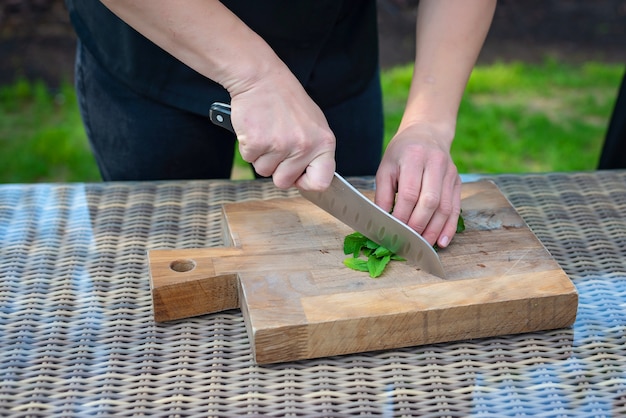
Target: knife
(347,204)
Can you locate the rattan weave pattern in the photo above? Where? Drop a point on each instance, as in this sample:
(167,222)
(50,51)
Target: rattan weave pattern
(77,337)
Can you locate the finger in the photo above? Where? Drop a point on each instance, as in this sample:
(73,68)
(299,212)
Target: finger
(429,197)
(247,149)
(314,176)
(318,174)
(266,164)
(449,229)
(409,189)
(287,173)
(435,226)
(442,224)
(425,219)
(386,187)
(441,218)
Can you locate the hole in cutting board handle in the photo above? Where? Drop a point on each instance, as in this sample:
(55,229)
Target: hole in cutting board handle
(182,266)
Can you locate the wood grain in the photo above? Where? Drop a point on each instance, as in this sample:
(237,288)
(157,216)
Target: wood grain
(284,268)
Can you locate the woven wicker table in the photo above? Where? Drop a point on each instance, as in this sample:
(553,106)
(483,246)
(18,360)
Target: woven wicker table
(77,336)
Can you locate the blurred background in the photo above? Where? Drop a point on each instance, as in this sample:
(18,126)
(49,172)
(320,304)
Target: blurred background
(539,99)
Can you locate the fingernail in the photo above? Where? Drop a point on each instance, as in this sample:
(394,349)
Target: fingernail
(443,242)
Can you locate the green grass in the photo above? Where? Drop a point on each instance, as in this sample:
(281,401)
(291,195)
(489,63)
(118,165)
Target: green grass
(41,136)
(513,118)
(524,118)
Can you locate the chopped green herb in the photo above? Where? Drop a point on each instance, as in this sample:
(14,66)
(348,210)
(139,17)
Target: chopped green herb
(356,244)
(371,244)
(353,243)
(460,224)
(356,264)
(378,256)
(376,265)
(381,252)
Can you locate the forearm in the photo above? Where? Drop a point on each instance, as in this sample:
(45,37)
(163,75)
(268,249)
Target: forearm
(450,34)
(279,128)
(206,36)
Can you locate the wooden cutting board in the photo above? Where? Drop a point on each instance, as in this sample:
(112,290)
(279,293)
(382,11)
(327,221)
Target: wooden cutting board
(283,266)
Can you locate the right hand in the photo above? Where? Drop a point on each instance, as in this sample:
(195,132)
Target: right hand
(281,130)
(283,133)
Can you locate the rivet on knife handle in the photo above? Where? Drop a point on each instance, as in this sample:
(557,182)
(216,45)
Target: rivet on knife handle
(219,114)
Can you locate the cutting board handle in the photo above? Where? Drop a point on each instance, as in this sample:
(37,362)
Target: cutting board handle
(188,283)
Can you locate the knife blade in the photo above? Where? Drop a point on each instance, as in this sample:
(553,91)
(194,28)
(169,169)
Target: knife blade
(350,206)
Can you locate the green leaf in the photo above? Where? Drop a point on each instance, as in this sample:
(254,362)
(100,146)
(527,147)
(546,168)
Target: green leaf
(357,264)
(382,251)
(376,265)
(460,224)
(353,243)
(371,244)
(396,257)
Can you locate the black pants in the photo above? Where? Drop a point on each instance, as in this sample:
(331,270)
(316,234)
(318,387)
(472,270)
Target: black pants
(614,150)
(136,138)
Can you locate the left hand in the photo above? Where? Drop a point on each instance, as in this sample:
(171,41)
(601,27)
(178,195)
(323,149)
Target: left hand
(418,167)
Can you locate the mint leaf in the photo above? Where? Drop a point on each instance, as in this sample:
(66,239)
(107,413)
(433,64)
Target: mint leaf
(381,252)
(377,256)
(371,244)
(376,265)
(353,243)
(460,224)
(357,264)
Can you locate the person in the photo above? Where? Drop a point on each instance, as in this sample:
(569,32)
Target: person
(302,79)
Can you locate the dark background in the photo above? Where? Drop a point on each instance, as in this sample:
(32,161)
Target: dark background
(37,41)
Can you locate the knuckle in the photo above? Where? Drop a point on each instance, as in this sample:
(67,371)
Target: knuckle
(246,155)
(407,196)
(327,139)
(455,212)
(430,200)
(446,208)
(316,186)
(248,149)
(262,171)
(281,183)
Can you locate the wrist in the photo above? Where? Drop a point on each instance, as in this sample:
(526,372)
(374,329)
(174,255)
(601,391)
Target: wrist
(251,73)
(440,130)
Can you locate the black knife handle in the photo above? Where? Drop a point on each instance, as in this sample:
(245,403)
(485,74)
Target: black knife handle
(219,114)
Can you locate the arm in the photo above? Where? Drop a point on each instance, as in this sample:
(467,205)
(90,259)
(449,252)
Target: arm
(417,163)
(297,147)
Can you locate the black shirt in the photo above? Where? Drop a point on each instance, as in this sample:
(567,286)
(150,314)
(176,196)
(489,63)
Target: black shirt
(331,46)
